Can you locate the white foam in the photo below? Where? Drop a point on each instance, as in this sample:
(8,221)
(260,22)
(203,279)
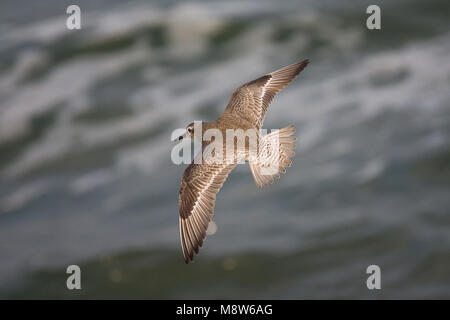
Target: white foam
(23,195)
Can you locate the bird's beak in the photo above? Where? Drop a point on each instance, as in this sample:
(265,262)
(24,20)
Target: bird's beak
(182,137)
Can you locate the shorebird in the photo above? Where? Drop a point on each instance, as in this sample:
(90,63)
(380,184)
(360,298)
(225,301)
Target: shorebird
(201,182)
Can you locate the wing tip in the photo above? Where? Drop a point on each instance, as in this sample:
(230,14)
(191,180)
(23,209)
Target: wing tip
(302,64)
(291,71)
(190,241)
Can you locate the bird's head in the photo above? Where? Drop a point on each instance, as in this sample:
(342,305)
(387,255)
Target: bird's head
(189,132)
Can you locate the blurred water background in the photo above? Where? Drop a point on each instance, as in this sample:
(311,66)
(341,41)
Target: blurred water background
(85,170)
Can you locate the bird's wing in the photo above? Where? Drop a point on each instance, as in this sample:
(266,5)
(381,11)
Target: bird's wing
(251,101)
(198,189)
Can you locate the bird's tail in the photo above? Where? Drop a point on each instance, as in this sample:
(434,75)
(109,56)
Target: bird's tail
(273,157)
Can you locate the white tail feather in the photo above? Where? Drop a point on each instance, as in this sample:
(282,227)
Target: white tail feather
(275,150)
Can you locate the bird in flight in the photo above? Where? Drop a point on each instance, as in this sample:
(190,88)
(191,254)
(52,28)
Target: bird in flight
(201,182)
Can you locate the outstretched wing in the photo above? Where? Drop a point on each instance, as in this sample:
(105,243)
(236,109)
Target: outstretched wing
(198,189)
(251,101)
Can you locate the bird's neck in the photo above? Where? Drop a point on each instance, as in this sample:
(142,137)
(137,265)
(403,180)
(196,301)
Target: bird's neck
(208,125)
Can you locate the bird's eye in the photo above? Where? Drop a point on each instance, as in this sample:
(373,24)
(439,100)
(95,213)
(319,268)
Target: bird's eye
(189,130)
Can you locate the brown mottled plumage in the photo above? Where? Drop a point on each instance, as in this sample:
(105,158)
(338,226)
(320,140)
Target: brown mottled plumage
(201,182)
